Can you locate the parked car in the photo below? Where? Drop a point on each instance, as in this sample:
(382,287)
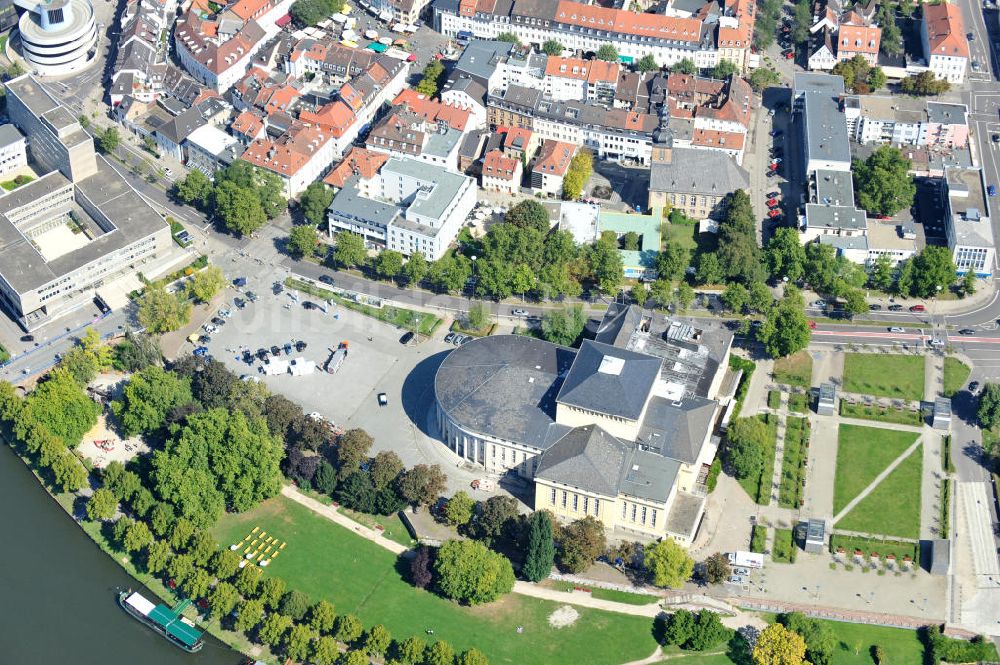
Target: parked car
(449,338)
(519,312)
(774,212)
(918,308)
(996,138)
(27,338)
(819,304)
(407,337)
(971,37)
(277,288)
(771,203)
(224,312)
(773,195)
(458,340)
(991,190)
(300,346)
(218,322)
(240,282)
(383,399)
(966,331)
(775,132)
(974,386)
(247,357)
(209,328)
(895,308)
(309,305)
(776,160)
(240,303)
(897,329)
(771,174)
(201,351)
(326,279)
(204,339)
(261,354)
(937,342)
(251,296)
(275,351)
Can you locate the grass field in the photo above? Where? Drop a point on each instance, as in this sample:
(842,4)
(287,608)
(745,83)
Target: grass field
(758,539)
(862,454)
(327,561)
(881,414)
(606,594)
(798,402)
(956,373)
(784,548)
(759,486)
(893,507)
(791,489)
(794,370)
(408,319)
(774,399)
(884,375)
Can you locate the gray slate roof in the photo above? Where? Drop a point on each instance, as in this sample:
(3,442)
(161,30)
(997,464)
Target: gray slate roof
(677,430)
(695,171)
(480,58)
(9,135)
(609,380)
(594,461)
(505,386)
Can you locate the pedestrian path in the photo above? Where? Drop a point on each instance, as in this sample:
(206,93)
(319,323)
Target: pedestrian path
(974,501)
(779,447)
(878,479)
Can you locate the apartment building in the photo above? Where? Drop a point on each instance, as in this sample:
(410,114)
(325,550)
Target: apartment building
(549,169)
(946,48)
(905,121)
(13,150)
(967,221)
(501,172)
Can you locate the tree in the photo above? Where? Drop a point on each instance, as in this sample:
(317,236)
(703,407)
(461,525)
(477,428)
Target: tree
(801,21)
(855,303)
(273,629)
(495,517)
(298,640)
(933,271)
(479,316)
(925,83)
(647,63)
(310,12)
(717,568)
(421,574)
(881,273)
(786,329)
(102,505)
(272,590)
(879,654)
(684,66)
(580,542)
(608,53)
(679,628)
(509,37)
(388,263)
(194,189)
(109,140)
(709,269)
(181,534)
(892,37)
(669,563)
(349,249)
(197,584)
(295,604)
(352,449)
(225,563)
(202,547)
(723,69)
(969,282)
(786,257)
(552,47)
(376,641)
(148,397)
(528,214)
(469,572)
(779,646)
(745,442)
(248,581)
(239,208)
(883,182)
(988,411)
(347,628)
(630,241)
(357,493)
(458,512)
(563,326)
(429,84)
(859,76)
(251,613)
(59,405)
(410,651)
(708,631)
(763,78)
(204,284)
(673,260)
(137,537)
(223,599)
(540,554)
(422,484)
(157,555)
(473,657)
(264,185)
(821,642)
(415,269)
(325,479)
(684,296)
(580,168)
(439,653)
(384,468)
(161,312)
(314,201)
(325,651)
(302,240)
(322,616)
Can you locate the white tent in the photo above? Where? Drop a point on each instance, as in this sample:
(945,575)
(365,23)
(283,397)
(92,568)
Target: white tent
(275,366)
(301,366)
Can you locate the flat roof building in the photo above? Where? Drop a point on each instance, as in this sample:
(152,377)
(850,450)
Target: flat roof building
(967,221)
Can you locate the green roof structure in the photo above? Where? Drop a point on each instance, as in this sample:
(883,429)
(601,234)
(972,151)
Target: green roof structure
(641,263)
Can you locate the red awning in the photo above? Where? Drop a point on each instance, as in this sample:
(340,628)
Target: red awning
(283,21)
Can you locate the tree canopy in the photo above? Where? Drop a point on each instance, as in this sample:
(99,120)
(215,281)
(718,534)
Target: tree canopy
(883,182)
(469,572)
(786,329)
(315,200)
(669,563)
(60,405)
(161,312)
(148,397)
(564,326)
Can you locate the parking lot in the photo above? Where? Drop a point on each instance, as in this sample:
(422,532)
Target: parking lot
(376,363)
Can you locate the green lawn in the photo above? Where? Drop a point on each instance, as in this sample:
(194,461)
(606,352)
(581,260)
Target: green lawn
(893,507)
(408,319)
(758,539)
(956,373)
(392,526)
(862,454)
(607,594)
(884,375)
(881,414)
(793,470)
(326,561)
(759,486)
(794,370)
(798,402)
(774,399)
(784,549)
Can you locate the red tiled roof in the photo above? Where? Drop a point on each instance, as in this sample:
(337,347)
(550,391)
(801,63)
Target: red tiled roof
(498,165)
(433,110)
(858,38)
(554,157)
(358,161)
(289,152)
(335,117)
(709,138)
(945,30)
(619,20)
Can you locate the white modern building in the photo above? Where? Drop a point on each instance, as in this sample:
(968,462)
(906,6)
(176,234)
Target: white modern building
(57,36)
(967,221)
(408,206)
(13,150)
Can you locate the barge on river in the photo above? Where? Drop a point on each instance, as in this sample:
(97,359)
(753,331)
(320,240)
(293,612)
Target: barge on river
(166,621)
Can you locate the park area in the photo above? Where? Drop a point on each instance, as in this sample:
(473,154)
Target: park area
(758,485)
(893,506)
(794,370)
(884,375)
(326,561)
(955,375)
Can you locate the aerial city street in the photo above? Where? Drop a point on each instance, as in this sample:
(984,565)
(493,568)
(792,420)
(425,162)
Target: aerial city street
(539,332)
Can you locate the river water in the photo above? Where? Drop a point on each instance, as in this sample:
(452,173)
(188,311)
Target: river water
(58,604)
